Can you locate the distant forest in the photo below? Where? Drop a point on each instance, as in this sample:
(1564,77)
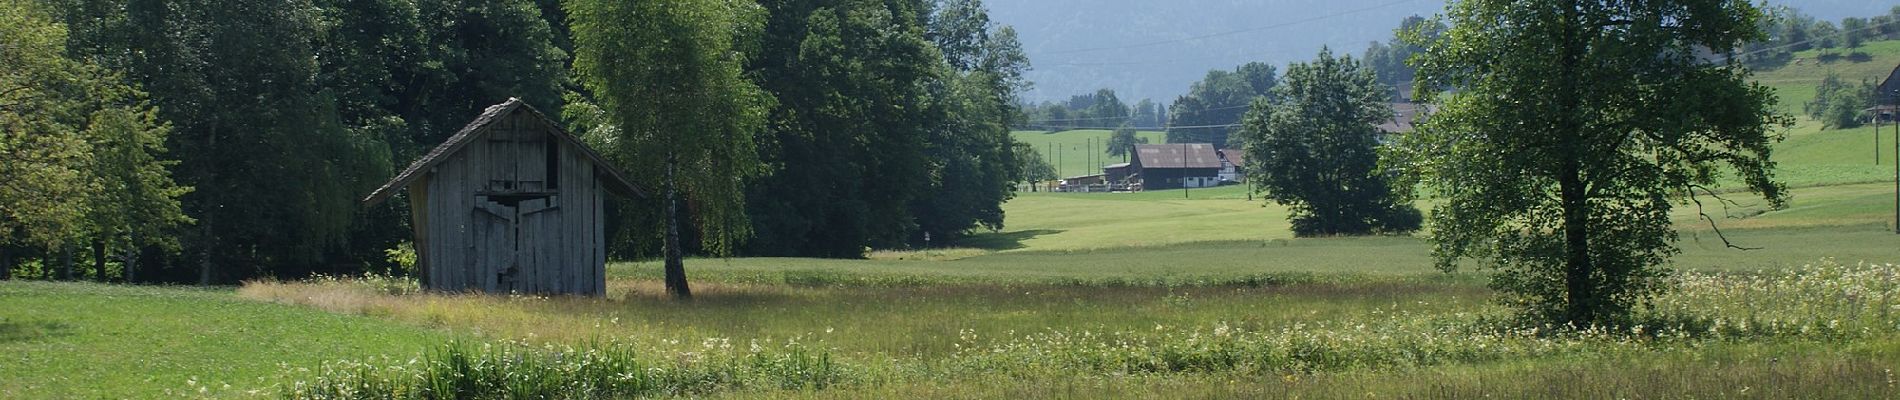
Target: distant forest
(1214,105)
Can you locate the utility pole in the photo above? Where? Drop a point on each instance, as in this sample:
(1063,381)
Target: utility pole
(1184,185)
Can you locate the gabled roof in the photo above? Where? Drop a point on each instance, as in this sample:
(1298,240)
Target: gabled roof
(1889,89)
(1404,115)
(1235,157)
(615,180)
(1177,155)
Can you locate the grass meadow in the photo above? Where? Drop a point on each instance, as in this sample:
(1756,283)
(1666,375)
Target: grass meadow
(1202,294)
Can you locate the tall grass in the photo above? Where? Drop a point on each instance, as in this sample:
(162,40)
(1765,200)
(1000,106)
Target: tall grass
(1710,315)
(602,370)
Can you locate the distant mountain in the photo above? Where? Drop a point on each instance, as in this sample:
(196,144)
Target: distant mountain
(1155,49)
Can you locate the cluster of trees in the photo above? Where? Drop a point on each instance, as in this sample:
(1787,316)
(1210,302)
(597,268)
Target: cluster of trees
(1099,110)
(1839,104)
(1388,59)
(282,114)
(1789,31)
(1211,110)
(211,141)
(82,156)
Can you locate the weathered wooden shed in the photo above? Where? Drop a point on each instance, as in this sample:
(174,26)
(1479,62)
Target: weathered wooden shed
(512,203)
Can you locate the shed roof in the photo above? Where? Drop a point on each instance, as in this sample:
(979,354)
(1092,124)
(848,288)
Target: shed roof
(1177,155)
(615,180)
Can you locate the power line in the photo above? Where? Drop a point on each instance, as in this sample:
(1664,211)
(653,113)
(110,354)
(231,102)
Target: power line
(1234,32)
(1138,128)
(1179,60)
(1045,121)
(1811,40)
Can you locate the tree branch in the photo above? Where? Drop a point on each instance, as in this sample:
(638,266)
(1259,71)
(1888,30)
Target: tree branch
(1712,225)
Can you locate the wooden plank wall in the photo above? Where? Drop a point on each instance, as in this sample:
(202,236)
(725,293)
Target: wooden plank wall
(563,246)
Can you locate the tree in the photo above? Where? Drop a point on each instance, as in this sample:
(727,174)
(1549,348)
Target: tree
(1035,169)
(1837,104)
(1146,114)
(1123,141)
(80,145)
(667,75)
(1314,149)
(1205,114)
(1575,125)
(43,180)
(973,167)
(1853,32)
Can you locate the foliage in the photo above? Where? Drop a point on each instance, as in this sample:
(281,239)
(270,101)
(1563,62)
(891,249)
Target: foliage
(82,148)
(1123,141)
(846,146)
(973,164)
(1212,107)
(1314,148)
(43,98)
(668,78)
(891,129)
(1838,104)
(1388,59)
(1035,169)
(1084,111)
(1575,127)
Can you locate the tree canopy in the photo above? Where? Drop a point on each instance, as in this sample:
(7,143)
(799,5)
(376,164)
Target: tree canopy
(1575,126)
(1313,147)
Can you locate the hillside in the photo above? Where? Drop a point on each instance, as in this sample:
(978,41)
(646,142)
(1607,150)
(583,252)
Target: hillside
(1075,148)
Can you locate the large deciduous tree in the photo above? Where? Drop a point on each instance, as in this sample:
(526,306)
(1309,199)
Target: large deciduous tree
(1575,125)
(668,77)
(81,147)
(1314,148)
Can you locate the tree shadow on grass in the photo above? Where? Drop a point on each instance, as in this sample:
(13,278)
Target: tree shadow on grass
(13,330)
(999,241)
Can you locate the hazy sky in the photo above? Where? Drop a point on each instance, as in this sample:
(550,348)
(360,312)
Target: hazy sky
(1155,49)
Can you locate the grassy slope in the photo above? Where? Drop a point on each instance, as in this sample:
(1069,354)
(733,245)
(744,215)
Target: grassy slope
(1075,147)
(93,341)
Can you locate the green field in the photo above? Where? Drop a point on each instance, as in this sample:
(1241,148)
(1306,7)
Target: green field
(1165,294)
(1078,156)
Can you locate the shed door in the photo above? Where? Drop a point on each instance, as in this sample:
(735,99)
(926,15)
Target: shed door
(510,234)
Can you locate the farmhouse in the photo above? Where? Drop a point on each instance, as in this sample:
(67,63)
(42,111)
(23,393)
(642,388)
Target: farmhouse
(1887,99)
(1177,165)
(510,204)
(1233,165)
(1404,116)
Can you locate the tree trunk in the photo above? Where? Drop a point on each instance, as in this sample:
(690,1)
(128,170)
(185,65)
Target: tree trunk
(6,263)
(675,262)
(99,259)
(204,260)
(66,262)
(1581,302)
(131,265)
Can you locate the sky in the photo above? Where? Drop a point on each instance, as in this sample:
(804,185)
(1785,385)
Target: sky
(1157,48)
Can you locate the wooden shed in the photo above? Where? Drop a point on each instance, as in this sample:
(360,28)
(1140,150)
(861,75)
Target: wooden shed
(512,203)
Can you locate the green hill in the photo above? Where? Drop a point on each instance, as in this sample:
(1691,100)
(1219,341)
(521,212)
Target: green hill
(1082,152)
(1813,156)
